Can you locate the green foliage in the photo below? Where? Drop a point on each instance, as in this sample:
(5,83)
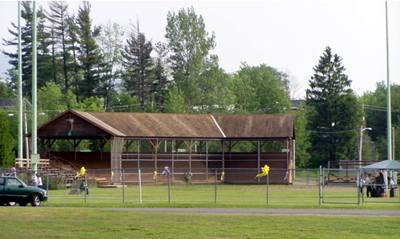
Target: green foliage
(161,82)
(7,142)
(43,58)
(89,54)
(175,102)
(110,42)
(94,104)
(51,99)
(58,18)
(189,44)
(4,89)
(302,138)
(138,65)
(260,89)
(215,95)
(334,114)
(375,117)
(124,102)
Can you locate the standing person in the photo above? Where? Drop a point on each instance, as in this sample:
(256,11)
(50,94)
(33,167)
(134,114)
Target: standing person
(361,184)
(368,185)
(39,181)
(380,182)
(13,172)
(34,180)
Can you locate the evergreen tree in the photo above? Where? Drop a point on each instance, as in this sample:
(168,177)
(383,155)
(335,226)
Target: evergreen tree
(160,82)
(89,54)
(72,47)
(58,17)
(138,64)
(43,57)
(334,115)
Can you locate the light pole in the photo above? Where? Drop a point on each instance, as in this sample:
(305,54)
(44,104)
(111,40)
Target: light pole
(361,144)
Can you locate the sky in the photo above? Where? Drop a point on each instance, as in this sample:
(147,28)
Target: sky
(289,35)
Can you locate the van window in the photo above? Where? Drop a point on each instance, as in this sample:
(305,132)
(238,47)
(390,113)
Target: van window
(13,182)
(1,181)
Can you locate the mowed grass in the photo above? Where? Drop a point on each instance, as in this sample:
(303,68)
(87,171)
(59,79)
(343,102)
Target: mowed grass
(286,196)
(77,223)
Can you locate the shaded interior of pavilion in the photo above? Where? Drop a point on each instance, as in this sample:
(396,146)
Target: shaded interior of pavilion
(227,147)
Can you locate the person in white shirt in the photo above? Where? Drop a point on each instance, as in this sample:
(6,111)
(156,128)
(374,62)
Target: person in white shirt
(39,181)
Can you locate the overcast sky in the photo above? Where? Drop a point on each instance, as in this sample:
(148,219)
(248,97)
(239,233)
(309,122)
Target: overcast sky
(287,34)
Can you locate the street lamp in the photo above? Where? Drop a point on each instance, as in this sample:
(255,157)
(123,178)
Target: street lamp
(361,144)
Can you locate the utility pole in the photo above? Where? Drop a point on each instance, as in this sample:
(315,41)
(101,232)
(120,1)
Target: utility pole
(388,104)
(34,155)
(20,104)
(361,145)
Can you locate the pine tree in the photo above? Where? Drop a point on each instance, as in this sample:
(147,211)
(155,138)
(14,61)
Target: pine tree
(89,53)
(334,112)
(43,55)
(160,82)
(137,61)
(72,47)
(58,17)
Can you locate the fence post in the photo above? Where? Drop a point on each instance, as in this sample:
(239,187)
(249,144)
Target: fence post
(85,188)
(47,183)
(215,186)
(267,190)
(308,176)
(123,185)
(320,185)
(140,186)
(169,188)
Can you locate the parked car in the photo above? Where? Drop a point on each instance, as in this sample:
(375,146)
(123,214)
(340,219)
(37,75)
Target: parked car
(13,190)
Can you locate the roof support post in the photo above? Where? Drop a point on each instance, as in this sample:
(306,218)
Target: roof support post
(117,145)
(173,150)
(190,147)
(206,160)
(138,153)
(155,145)
(223,155)
(258,159)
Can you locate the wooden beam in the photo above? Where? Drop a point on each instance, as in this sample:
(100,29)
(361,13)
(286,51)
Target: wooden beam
(207,160)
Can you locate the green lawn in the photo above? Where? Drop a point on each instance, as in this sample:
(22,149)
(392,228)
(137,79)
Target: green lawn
(77,223)
(289,196)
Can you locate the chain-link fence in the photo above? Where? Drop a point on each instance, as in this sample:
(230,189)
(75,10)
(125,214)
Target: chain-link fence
(234,187)
(353,186)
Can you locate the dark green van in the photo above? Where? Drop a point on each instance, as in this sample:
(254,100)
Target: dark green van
(12,189)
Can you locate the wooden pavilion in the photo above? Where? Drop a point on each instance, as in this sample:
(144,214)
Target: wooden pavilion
(187,143)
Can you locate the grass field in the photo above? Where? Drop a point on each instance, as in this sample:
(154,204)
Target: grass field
(78,223)
(292,196)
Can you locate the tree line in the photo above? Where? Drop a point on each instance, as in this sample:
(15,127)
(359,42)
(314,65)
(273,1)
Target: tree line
(111,68)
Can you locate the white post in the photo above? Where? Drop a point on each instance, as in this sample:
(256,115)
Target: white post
(140,186)
(360,148)
(294,158)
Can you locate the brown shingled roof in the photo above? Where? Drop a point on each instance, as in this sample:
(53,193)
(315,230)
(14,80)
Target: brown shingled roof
(257,126)
(161,125)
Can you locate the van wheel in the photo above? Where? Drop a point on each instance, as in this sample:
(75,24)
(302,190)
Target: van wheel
(11,204)
(35,201)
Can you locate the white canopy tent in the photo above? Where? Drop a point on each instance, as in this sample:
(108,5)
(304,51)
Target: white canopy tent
(385,166)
